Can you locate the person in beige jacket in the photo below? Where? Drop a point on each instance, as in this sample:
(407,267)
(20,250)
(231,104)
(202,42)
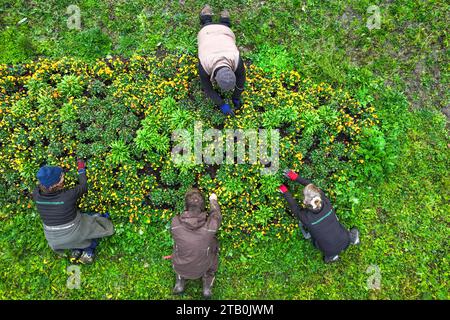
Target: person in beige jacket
(219,60)
(196,248)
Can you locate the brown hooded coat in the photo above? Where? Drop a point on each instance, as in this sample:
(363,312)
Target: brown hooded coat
(196,248)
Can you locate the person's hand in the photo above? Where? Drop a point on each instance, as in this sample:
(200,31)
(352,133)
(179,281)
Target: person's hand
(290,174)
(212,197)
(282,189)
(81,166)
(237,103)
(226,109)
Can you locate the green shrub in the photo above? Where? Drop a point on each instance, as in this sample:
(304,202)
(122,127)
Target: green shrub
(70,86)
(120,153)
(68,112)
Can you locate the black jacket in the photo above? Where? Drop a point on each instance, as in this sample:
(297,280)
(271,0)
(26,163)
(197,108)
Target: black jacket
(327,233)
(60,207)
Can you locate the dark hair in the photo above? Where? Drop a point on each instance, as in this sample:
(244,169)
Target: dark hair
(194,200)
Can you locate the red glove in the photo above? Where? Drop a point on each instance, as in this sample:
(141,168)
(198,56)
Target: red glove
(292,175)
(81,164)
(283,188)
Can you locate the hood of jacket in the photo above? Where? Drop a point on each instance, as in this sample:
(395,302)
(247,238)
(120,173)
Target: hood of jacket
(193,219)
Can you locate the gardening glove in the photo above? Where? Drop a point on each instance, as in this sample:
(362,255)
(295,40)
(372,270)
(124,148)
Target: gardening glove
(282,189)
(81,166)
(237,103)
(290,174)
(212,197)
(226,109)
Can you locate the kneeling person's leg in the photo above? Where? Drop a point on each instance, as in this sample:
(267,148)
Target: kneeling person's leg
(180,284)
(225,18)
(354,236)
(331,259)
(209,277)
(206,16)
(88,255)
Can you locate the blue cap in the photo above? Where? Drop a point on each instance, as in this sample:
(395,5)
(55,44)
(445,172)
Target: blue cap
(49,175)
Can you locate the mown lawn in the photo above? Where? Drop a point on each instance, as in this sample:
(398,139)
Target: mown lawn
(399,200)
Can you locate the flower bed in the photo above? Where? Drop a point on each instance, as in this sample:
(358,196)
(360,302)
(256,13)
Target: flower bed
(120,114)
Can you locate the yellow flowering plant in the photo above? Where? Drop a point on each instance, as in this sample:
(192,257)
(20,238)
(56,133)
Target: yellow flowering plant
(120,114)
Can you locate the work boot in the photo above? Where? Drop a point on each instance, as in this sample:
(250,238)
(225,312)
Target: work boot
(208,282)
(206,11)
(60,253)
(75,254)
(179,285)
(225,14)
(87,257)
(354,236)
(331,259)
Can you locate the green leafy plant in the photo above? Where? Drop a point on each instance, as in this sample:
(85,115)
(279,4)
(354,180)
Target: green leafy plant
(45,103)
(36,87)
(169,175)
(263,215)
(67,112)
(120,153)
(181,119)
(148,139)
(70,86)
(21,107)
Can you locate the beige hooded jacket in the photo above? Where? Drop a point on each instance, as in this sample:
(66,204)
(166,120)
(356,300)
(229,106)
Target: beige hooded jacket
(217,48)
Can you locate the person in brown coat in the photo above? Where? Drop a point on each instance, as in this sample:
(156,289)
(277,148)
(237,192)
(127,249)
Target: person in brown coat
(196,248)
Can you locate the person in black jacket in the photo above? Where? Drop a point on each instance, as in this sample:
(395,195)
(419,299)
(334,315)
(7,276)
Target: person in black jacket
(319,218)
(64,226)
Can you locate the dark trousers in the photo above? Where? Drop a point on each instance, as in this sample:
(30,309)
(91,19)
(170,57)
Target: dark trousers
(94,242)
(207,19)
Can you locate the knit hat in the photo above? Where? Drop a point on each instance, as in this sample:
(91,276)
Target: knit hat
(226,79)
(49,175)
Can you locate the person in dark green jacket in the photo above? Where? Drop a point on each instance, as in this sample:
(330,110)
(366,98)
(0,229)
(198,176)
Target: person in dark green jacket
(64,226)
(320,220)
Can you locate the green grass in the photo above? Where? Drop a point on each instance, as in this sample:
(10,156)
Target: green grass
(403,217)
